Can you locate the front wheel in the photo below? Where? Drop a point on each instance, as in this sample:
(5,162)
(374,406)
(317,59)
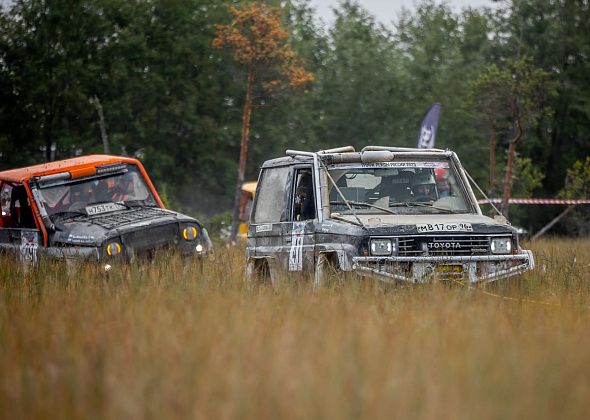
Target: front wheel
(326,270)
(257,272)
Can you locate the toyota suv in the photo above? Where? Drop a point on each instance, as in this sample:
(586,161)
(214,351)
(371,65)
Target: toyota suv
(396,214)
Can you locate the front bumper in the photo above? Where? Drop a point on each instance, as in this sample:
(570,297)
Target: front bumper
(475,269)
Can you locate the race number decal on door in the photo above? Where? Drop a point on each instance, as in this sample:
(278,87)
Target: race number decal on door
(28,247)
(296,252)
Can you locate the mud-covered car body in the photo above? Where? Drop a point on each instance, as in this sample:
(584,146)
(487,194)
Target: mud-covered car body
(369,212)
(97,207)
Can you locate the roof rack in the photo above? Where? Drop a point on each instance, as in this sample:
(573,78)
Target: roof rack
(295,153)
(399,149)
(344,149)
(348,153)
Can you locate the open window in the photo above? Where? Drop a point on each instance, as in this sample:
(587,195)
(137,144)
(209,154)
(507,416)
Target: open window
(16,208)
(5,196)
(304,207)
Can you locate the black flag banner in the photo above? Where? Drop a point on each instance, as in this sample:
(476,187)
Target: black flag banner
(427,134)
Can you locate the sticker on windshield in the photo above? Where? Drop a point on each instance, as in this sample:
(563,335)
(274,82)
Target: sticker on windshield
(444,227)
(421,165)
(103,208)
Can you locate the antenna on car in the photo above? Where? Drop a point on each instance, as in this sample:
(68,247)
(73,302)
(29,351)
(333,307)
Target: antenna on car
(482,193)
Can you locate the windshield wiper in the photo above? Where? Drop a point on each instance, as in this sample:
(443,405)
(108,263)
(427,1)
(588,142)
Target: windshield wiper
(343,219)
(418,204)
(120,203)
(140,203)
(68,214)
(363,204)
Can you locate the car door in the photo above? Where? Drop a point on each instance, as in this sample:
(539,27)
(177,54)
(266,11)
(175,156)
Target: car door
(18,234)
(299,230)
(269,216)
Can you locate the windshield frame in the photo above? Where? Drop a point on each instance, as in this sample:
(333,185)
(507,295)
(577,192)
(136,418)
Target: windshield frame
(456,200)
(119,190)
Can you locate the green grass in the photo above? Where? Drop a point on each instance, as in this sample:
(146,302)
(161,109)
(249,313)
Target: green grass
(168,340)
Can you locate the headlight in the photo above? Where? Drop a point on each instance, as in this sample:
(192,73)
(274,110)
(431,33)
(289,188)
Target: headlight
(383,247)
(114,248)
(501,245)
(190,233)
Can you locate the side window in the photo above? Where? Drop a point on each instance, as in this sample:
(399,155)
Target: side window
(304,201)
(16,210)
(5,195)
(270,198)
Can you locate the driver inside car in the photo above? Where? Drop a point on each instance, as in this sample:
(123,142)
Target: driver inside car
(424,187)
(77,194)
(304,203)
(80,196)
(123,189)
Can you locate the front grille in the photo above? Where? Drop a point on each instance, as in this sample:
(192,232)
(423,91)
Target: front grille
(444,245)
(149,239)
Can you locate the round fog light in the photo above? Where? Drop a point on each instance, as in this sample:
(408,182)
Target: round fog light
(189,233)
(114,248)
(199,248)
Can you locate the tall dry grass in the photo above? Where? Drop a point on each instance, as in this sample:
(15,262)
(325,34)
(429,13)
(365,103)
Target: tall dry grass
(168,340)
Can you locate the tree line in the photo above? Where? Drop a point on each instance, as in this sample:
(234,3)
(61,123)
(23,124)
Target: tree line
(168,96)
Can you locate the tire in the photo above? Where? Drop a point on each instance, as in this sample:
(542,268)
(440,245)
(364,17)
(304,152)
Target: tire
(326,270)
(257,272)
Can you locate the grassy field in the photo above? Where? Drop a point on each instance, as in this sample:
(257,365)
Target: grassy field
(167,341)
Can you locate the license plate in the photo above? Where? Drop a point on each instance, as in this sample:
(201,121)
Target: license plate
(444,227)
(103,208)
(449,268)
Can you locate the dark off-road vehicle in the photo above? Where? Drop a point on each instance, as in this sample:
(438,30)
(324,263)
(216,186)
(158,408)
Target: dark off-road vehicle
(392,213)
(98,207)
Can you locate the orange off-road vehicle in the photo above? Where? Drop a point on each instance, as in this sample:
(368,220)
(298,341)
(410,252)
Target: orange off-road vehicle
(97,207)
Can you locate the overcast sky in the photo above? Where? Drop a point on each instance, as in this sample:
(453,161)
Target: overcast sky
(387,11)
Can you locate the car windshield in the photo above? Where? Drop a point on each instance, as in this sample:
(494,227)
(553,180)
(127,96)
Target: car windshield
(411,187)
(98,194)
